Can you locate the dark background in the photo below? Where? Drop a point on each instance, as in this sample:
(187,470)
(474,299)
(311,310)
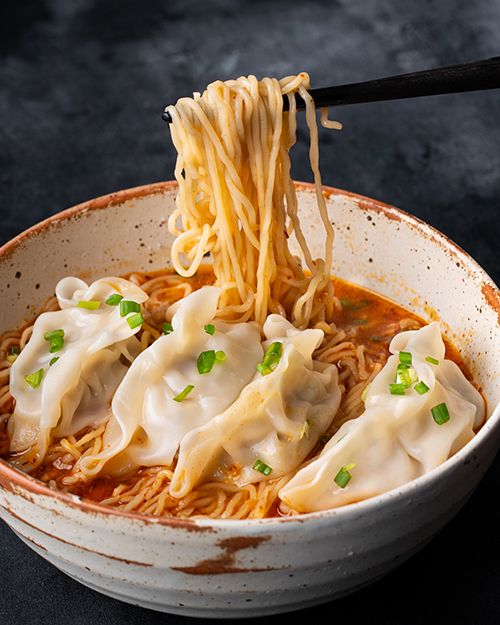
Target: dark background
(83,85)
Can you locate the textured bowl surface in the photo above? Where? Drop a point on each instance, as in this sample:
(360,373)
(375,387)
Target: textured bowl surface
(250,568)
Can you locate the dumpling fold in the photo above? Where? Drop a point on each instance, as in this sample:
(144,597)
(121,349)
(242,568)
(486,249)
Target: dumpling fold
(273,425)
(399,436)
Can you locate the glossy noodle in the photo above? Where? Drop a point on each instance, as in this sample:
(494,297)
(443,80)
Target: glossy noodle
(243,385)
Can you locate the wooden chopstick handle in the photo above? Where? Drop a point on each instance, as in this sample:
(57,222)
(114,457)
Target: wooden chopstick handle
(473,76)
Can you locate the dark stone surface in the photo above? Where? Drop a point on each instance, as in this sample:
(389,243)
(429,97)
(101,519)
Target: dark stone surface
(83,86)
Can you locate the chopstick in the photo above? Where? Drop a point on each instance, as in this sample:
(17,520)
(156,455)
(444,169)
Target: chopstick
(474,76)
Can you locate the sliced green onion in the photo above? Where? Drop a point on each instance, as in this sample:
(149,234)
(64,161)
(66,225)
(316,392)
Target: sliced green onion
(405,358)
(220,356)
(271,358)
(206,361)
(397,389)
(343,477)
(13,353)
(54,334)
(377,338)
(135,320)
(56,344)
(432,360)
(183,394)
(34,379)
(304,432)
(114,300)
(209,328)
(440,413)
(421,388)
(90,304)
(166,328)
(405,375)
(127,306)
(261,467)
(360,322)
(53,361)
(350,305)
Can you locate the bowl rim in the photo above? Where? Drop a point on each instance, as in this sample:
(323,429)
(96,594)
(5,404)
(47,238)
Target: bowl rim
(10,477)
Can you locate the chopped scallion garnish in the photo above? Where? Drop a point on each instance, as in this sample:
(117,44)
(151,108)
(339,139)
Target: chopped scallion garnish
(166,328)
(127,306)
(114,300)
(343,477)
(210,328)
(360,322)
(421,388)
(183,394)
(405,358)
(405,375)
(261,467)
(440,413)
(53,334)
(432,360)
(135,320)
(53,361)
(56,345)
(271,358)
(206,361)
(56,338)
(397,389)
(90,304)
(220,356)
(350,305)
(34,379)
(14,351)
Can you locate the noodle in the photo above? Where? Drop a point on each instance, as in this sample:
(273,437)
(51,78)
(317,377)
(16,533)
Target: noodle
(237,200)
(146,491)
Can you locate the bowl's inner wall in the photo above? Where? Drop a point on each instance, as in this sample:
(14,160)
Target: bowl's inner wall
(379,249)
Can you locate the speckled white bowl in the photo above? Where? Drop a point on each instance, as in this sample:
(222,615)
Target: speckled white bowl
(251,568)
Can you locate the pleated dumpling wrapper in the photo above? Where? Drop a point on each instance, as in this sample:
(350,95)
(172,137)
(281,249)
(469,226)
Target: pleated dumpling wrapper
(164,396)
(64,378)
(419,410)
(275,422)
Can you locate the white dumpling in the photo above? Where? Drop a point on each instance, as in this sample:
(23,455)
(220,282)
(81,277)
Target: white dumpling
(147,422)
(277,419)
(396,439)
(76,390)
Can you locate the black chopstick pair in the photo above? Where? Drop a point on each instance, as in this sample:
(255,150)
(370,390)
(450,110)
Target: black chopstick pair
(475,76)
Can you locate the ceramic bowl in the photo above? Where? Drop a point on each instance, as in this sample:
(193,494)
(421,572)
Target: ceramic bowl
(221,568)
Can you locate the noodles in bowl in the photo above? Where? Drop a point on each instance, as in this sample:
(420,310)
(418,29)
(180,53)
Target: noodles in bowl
(251,386)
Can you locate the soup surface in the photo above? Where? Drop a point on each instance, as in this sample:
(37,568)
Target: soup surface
(364,325)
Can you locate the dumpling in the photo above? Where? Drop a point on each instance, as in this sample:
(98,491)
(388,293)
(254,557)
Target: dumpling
(164,396)
(65,377)
(275,422)
(400,436)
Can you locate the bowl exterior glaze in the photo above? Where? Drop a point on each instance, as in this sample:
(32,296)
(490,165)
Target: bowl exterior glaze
(216,568)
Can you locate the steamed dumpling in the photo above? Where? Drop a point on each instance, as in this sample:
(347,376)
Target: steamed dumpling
(397,438)
(76,390)
(276,420)
(148,422)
